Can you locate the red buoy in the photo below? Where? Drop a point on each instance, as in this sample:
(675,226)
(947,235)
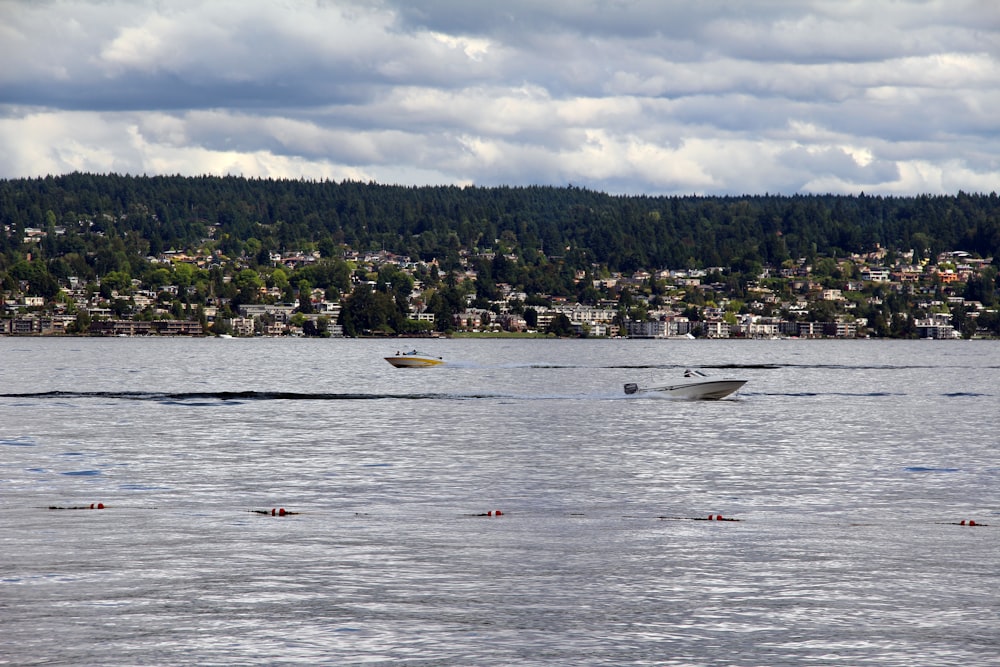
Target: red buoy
(499,513)
(100,506)
(272,511)
(971,522)
(962,522)
(282,512)
(718,517)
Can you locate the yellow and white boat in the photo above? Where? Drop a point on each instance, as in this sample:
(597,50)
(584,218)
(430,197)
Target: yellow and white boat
(414,359)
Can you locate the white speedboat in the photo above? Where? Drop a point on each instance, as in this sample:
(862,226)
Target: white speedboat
(414,359)
(695,384)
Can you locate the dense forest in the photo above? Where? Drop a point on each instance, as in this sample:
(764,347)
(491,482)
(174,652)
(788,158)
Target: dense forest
(623,233)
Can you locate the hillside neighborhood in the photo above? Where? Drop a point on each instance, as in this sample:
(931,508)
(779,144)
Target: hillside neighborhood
(878,294)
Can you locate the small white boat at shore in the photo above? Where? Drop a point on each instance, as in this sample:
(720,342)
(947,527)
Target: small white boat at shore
(414,359)
(694,385)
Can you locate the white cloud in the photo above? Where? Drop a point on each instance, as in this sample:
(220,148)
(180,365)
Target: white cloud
(655,96)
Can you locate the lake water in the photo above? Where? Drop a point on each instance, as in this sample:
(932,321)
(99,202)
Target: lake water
(847,465)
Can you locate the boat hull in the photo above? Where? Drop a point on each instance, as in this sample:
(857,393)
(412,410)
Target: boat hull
(410,361)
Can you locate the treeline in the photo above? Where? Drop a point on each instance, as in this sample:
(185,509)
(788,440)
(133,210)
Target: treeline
(110,220)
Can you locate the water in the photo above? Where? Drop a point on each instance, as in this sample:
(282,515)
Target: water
(847,464)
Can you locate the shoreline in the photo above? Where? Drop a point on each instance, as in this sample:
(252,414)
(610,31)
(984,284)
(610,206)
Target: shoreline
(473,336)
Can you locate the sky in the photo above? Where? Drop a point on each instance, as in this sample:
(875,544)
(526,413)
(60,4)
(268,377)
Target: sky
(656,97)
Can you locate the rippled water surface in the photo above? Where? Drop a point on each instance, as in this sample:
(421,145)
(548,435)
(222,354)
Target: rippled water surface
(846,466)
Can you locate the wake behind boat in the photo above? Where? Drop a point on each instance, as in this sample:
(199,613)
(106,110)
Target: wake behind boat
(695,385)
(414,359)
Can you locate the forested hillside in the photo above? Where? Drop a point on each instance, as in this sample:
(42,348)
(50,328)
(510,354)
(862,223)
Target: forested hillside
(111,219)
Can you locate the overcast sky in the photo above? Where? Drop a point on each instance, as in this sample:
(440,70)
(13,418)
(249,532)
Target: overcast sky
(625,96)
